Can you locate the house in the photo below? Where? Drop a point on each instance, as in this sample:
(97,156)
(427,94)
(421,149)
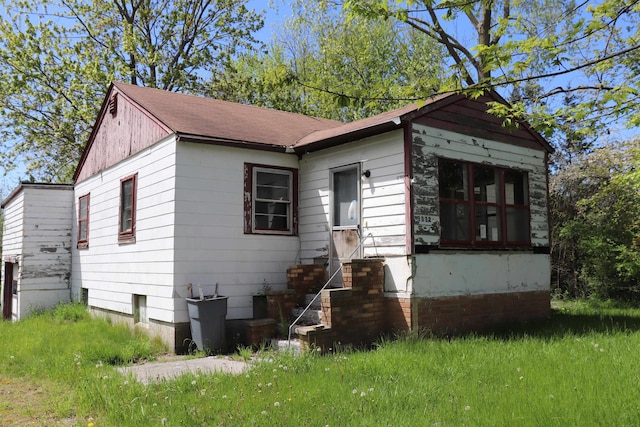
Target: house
(174,193)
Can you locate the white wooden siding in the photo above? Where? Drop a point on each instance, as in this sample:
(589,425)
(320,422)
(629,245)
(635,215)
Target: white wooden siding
(38,236)
(12,242)
(383,195)
(210,243)
(114,272)
(430,143)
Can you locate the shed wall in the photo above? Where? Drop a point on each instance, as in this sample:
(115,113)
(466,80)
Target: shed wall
(12,242)
(39,238)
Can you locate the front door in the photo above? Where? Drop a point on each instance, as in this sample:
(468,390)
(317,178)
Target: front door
(345,217)
(7,291)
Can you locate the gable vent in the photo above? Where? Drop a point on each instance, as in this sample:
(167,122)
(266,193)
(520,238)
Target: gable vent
(113,104)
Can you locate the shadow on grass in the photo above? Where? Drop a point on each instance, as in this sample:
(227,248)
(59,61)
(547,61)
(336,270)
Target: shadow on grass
(563,323)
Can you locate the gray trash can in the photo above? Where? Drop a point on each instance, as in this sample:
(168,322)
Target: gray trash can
(207,318)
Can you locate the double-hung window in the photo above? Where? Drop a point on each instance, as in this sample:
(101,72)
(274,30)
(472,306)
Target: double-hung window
(83,222)
(270,199)
(483,206)
(127,217)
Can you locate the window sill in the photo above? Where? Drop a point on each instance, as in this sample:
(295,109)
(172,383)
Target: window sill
(271,233)
(126,239)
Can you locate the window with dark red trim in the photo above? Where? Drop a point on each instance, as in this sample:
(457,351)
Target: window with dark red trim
(483,206)
(83,222)
(270,199)
(127,217)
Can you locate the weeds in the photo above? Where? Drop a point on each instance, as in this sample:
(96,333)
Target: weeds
(579,368)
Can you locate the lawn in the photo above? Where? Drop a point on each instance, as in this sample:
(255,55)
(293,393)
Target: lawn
(581,367)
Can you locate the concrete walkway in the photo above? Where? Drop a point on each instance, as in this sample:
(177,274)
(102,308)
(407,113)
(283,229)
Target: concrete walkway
(179,365)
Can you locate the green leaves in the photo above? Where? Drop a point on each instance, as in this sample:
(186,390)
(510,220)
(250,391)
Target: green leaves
(338,68)
(596,204)
(57,58)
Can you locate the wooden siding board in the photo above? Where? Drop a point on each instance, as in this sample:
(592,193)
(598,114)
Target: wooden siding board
(430,143)
(130,268)
(13,227)
(210,243)
(38,235)
(117,137)
(382,194)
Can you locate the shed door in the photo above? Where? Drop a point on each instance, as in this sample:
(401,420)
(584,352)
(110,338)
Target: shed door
(7,293)
(345,217)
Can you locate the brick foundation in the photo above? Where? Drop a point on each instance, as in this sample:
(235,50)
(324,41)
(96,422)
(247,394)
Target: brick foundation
(398,313)
(258,330)
(459,314)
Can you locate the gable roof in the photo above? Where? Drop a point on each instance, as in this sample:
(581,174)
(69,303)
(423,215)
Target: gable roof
(449,104)
(205,118)
(213,121)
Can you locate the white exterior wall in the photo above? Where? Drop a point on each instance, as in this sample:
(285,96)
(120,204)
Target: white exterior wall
(383,209)
(114,272)
(12,244)
(210,243)
(471,273)
(38,221)
(383,196)
(12,241)
(475,272)
(430,143)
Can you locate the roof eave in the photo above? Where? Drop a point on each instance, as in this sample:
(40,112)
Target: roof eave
(357,134)
(23,184)
(251,145)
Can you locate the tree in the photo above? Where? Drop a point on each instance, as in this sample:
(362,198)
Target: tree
(588,51)
(596,210)
(323,63)
(57,58)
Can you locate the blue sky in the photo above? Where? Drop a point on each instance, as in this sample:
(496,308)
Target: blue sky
(276,11)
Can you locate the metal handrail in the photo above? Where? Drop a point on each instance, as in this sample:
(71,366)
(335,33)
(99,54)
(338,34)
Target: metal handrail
(322,289)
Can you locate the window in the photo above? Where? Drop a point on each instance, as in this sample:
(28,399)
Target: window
(345,192)
(127,221)
(482,205)
(83,222)
(270,199)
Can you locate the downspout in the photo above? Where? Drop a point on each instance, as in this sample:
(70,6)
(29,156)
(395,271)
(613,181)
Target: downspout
(409,214)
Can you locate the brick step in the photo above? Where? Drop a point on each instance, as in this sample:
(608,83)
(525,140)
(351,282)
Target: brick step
(310,317)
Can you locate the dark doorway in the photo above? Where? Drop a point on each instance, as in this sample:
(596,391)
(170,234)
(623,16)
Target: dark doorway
(7,294)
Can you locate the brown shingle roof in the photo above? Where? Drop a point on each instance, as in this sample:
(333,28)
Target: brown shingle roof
(195,116)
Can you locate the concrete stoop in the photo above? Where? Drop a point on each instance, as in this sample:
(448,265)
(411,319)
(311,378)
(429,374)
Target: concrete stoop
(309,317)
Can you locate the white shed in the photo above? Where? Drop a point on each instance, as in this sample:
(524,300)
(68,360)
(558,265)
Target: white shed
(36,248)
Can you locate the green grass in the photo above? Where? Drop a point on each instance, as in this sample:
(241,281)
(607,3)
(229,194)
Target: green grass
(579,368)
